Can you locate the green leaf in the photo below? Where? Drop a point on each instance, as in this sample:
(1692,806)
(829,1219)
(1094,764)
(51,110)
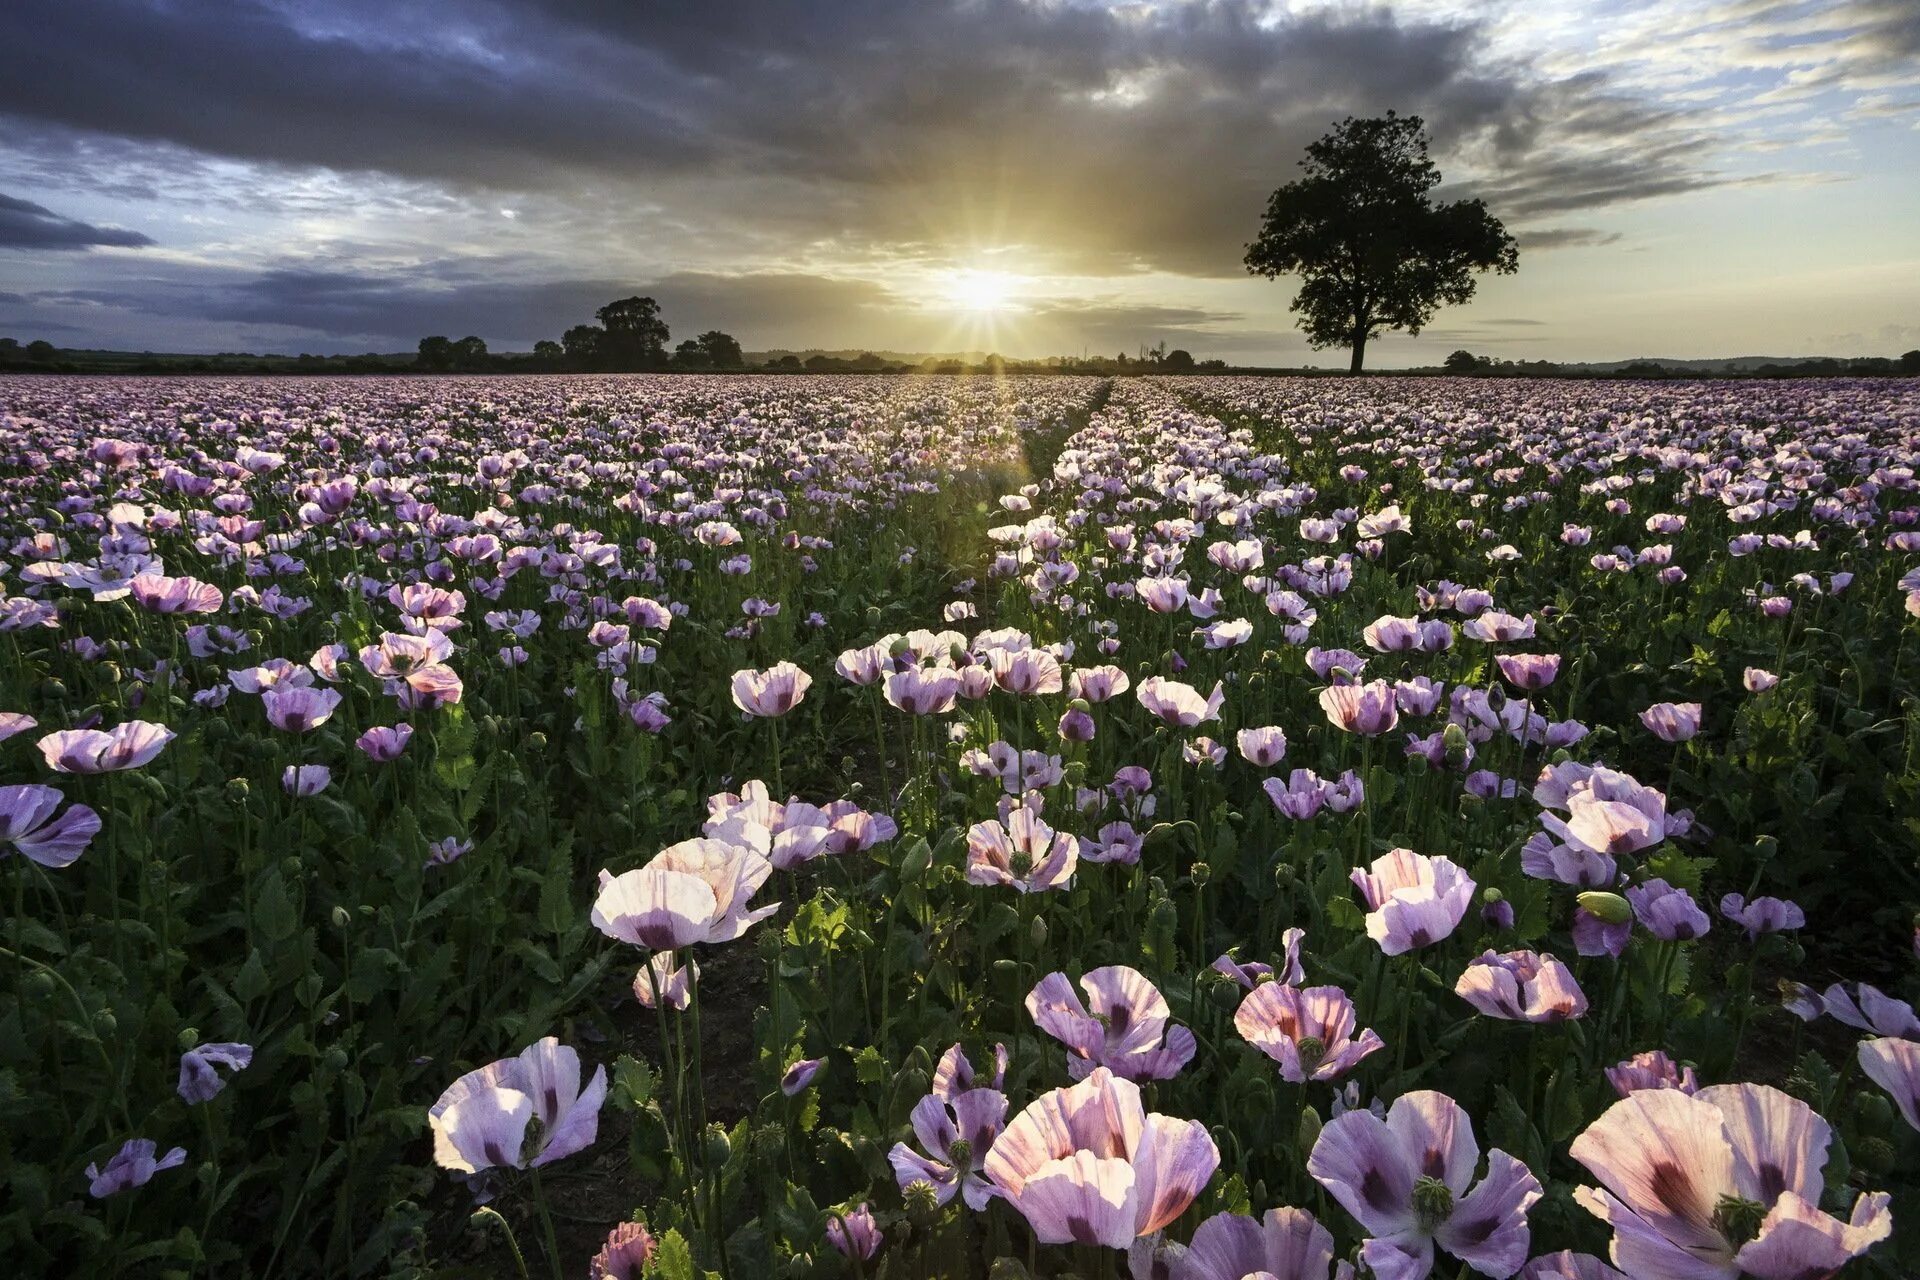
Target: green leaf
(673,1260)
(273,913)
(868,1066)
(251,982)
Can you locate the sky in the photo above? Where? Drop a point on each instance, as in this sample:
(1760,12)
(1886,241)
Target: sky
(1034,177)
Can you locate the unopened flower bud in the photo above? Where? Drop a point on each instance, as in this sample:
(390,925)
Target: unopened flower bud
(1609,908)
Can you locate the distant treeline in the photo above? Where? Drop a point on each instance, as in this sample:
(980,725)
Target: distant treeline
(718,352)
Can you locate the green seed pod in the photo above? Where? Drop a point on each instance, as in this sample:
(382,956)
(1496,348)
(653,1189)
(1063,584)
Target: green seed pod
(537,741)
(719,1146)
(1200,873)
(238,789)
(1874,1154)
(1610,908)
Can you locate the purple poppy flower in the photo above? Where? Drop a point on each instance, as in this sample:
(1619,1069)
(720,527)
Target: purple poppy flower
(1309,1031)
(28,824)
(1287,1244)
(125,746)
(1672,721)
(1087,1164)
(1337,665)
(1300,797)
(1408,1179)
(1721,1183)
(1412,900)
(294,709)
(771,693)
(625,1255)
(384,743)
(1758,679)
(694,891)
(1872,1010)
(954,1074)
(305,779)
(1607,812)
(1762,915)
(132,1166)
(1651,1070)
(1264,747)
(15,722)
(1545,859)
(956,1129)
(1521,986)
(1123,1026)
(1568,1265)
(1893,1063)
(1668,913)
(200,1081)
(1254,972)
(482,1121)
(1596,936)
(855,1233)
(798,1076)
(1529,672)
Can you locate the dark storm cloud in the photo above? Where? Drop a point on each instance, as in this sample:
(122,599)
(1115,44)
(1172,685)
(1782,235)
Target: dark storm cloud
(1110,139)
(26,225)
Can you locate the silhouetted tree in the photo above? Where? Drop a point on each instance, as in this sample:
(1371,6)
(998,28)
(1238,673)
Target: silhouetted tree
(722,350)
(1178,360)
(548,352)
(1373,251)
(470,353)
(636,335)
(435,353)
(584,344)
(690,355)
(1461,362)
(40,349)
(1910,362)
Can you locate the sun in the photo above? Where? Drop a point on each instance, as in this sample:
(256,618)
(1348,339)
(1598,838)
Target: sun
(979,291)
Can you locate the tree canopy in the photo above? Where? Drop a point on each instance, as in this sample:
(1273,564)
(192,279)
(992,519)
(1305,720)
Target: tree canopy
(1373,250)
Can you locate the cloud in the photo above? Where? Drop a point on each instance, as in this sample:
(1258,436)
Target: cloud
(1096,140)
(26,225)
(1565,237)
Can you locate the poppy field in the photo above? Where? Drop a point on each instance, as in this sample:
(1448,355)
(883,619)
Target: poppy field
(1201,828)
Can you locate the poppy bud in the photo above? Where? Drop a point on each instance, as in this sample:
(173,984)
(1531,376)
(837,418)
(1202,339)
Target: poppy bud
(1610,908)
(1037,931)
(342,918)
(237,790)
(719,1146)
(537,741)
(1200,873)
(1308,1133)
(918,860)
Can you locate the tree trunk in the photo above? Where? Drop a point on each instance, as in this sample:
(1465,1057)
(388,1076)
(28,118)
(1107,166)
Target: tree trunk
(1359,349)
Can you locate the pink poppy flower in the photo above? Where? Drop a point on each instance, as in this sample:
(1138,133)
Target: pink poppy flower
(1893,1063)
(1309,1031)
(694,891)
(1179,705)
(1672,721)
(1024,853)
(1124,1026)
(923,691)
(1521,986)
(1287,1244)
(484,1120)
(1366,709)
(664,979)
(1651,1070)
(1718,1184)
(771,693)
(294,709)
(1568,1265)
(1087,1164)
(1413,901)
(1264,747)
(157,593)
(125,746)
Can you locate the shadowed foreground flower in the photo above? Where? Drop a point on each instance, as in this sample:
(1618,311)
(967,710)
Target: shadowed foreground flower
(1521,986)
(125,746)
(1307,1030)
(305,779)
(694,891)
(384,743)
(1088,1165)
(797,1077)
(199,1079)
(625,1255)
(856,1233)
(1408,1179)
(28,824)
(1123,1026)
(132,1166)
(1667,912)
(664,978)
(1651,1070)
(1287,1244)
(1894,1065)
(1718,1184)
(483,1119)
(956,1130)
(1762,915)
(1412,900)
(770,693)
(1568,1265)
